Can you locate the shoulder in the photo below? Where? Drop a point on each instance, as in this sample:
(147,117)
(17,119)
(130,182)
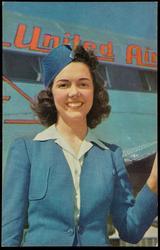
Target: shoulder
(115,150)
(117,157)
(19,141)
(18,152)
(22,145)
(111,147)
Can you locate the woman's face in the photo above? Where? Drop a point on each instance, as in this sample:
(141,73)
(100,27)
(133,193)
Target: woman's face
(73,91)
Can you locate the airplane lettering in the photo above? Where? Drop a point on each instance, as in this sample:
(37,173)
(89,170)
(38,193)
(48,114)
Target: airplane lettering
(146,58)
(135,54)
(49,38)
(107,49)
(33,44)
(89,44)
(66,39)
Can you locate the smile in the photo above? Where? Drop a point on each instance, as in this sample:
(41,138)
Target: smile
(75,104)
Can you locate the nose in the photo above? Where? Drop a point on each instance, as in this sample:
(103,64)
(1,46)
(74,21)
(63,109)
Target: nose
(73,91)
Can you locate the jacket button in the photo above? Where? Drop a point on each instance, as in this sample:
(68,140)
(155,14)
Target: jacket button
(70,231)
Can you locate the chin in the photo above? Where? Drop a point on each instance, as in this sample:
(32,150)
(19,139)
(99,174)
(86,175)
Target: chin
(76,117)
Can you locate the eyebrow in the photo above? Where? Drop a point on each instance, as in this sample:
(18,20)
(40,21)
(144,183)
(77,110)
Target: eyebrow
(63,80)
(80,79)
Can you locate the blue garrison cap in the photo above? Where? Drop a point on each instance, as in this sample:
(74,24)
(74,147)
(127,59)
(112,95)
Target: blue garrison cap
(55,61)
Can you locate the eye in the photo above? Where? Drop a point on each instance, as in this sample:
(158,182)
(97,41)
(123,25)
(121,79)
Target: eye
(84,84)
(62,85)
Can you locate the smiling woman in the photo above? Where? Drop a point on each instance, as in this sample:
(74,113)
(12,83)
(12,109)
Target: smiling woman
(77,77)
(65,180)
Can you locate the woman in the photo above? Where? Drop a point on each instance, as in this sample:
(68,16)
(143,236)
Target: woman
(65,182)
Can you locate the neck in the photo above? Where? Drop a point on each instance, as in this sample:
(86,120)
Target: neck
(72,129)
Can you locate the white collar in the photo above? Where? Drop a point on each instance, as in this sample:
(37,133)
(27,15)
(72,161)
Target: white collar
(51,133)
(47,134)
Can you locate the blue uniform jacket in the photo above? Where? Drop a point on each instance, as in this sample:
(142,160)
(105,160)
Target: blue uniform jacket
(38,189)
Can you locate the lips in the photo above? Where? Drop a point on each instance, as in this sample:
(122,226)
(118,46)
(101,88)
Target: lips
(74,104)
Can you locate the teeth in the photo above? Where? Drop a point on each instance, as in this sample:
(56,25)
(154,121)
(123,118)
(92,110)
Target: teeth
(74,104)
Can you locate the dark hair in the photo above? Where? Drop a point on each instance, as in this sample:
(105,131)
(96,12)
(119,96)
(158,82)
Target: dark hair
(44,105)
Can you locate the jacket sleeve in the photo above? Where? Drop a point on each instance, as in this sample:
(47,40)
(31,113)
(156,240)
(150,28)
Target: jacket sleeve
(132,216)
(15,194)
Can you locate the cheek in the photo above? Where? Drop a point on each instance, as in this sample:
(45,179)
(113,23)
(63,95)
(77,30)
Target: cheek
(59,98)
(89,97)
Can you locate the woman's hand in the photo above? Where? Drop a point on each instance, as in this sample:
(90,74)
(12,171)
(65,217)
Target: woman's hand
(152,180)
